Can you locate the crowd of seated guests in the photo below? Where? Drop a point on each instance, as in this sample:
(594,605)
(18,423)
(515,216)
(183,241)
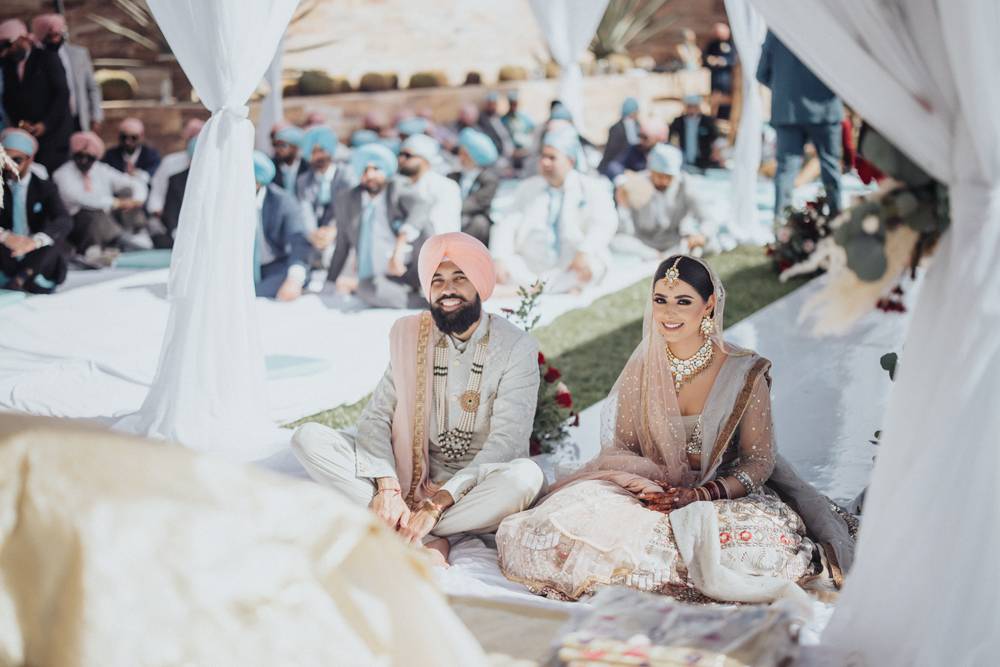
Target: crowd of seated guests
(346,216)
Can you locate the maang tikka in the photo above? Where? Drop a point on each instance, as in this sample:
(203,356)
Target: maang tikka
(673,274)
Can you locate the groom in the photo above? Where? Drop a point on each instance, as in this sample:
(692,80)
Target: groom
(442,446)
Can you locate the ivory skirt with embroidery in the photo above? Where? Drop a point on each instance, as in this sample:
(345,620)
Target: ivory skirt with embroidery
(595,533)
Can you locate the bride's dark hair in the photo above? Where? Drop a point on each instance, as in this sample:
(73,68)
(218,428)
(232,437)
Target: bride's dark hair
(692,272)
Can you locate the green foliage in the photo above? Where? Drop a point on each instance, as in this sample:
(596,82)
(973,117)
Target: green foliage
(428,80)
(890,362)
(628,23)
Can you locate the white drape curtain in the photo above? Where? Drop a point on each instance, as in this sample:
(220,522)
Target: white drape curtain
(923,590)
(209,392)
(749,30)
(569,26)
(271,107)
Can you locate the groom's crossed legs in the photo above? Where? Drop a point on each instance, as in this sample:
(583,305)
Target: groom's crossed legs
(501,489)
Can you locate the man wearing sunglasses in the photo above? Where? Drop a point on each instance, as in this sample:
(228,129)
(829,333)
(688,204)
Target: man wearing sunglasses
(35,93)
(132,156)
(33,221)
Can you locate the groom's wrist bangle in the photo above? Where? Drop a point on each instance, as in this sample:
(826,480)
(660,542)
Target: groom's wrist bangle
(433,510)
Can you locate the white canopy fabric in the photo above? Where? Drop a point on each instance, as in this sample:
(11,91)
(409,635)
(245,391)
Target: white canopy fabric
(923,72)
(569,26)
(749,30)
(209,389)
(271,107)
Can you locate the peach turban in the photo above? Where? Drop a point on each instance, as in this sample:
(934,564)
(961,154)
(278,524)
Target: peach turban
(12,29)
(468,254)
(43,24)
(86,142)
(132,126)
(192,128)
(654,128)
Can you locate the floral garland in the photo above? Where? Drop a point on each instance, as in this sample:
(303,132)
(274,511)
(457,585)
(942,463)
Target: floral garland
(871,247)
(798,236)
(554,407)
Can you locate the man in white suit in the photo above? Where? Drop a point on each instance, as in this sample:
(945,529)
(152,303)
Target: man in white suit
(84,93)
(559,226)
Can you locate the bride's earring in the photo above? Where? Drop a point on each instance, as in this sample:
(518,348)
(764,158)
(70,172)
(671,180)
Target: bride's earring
(706,327)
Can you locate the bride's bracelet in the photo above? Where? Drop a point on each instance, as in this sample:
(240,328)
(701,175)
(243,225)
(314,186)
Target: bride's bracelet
(714,490)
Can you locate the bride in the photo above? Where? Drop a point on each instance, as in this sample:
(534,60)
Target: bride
(688,496)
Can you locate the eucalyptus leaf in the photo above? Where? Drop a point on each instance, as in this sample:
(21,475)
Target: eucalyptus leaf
(866,257)
(889,362)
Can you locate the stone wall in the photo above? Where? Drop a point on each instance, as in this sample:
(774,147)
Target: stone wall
(659,94)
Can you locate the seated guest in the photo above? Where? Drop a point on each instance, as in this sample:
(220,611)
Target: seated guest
(35,93)
(427,463)
(171,214)
(622,134)
(33,220)
(477,182)
(665,215)
(408,127)
(558,226)
(131,155)
(103,201)
(382,222)
(319,186)
(440,194)
(521,130)
(634,158)
(695,134)
(492,126)
(290,165)
(281,249)
(172,163)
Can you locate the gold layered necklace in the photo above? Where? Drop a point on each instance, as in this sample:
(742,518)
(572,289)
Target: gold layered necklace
(685,370)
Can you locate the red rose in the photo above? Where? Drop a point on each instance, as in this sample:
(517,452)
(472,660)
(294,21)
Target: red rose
(534,448)
(507,311)
(576,422)
(867,171)
(784,265)
(552,375)
(541,359)
(564,399)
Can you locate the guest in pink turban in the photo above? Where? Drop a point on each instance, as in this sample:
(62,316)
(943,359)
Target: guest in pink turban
(132,155)
(84,93)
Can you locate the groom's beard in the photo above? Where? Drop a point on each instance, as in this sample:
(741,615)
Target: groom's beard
(456,321)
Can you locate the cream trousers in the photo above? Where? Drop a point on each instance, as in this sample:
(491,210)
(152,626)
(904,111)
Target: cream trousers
(501,489)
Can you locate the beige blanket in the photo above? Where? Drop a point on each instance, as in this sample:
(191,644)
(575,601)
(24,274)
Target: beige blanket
(120,552)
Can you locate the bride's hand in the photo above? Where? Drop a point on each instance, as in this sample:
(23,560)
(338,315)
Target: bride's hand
(671,499)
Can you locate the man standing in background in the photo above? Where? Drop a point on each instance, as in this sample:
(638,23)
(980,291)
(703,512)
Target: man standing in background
(84,93)
(802,108)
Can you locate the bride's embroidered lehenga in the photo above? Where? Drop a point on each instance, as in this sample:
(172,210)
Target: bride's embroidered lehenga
(592,529)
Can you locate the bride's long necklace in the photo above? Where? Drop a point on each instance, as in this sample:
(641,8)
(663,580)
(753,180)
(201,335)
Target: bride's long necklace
(685,370)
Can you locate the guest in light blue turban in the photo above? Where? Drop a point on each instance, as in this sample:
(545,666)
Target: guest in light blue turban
(293,134)
(363,138)
(20,140)
(411,126)
(560,112)
(629,107)
(566,141)
(666,159)
(480,147)
(423,146)
(322,136)
(375,155)
(263,168)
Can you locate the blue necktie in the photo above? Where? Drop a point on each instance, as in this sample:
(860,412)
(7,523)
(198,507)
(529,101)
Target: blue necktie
(555,208)
(258,246)
(365,241)
(20,213)
(691,127)
(288,180)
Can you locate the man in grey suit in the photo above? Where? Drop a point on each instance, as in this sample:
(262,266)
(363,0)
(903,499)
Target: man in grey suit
(84,93)
(477,182)
(663,214)
(386,225)
(281,249)
(623,134)
(802,108)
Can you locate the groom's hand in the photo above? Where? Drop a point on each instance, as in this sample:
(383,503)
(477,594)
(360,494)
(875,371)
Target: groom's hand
(417,527)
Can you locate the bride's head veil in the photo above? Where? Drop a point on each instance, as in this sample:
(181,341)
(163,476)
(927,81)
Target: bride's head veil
(641,428)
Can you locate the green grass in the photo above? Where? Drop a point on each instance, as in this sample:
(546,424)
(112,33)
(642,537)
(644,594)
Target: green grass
(591,345)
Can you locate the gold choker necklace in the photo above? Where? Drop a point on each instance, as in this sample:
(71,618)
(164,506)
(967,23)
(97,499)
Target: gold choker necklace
(688,369)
